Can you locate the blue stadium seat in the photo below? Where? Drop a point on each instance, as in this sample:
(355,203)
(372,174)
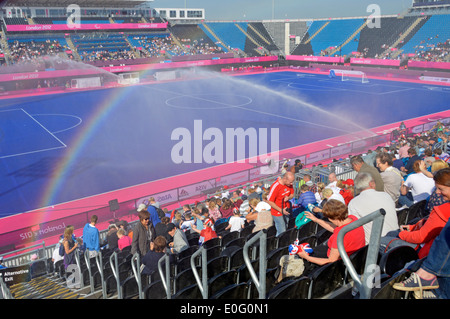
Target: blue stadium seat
(395,259)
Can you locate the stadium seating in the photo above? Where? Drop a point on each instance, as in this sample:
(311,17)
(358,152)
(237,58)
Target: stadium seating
(26,49)
(427,41)
(228,275)
(374,41)
(334,34)
(428,35)
(230,34)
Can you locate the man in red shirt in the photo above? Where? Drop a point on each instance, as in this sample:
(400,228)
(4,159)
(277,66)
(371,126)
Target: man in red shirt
(280,193)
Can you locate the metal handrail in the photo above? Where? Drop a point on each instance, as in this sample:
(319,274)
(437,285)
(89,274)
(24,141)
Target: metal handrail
(114,261)
(377,217)
(99,262)
(261,282)
(5,293)
(88,264)
(135,266)
(165,278)
(15,261)
(202,283)
(76,253)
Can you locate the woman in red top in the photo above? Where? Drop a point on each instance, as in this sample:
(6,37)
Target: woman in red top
(426,230)
(347,191)
(337,214)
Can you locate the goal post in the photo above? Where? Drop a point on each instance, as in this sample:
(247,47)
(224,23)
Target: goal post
(347,75)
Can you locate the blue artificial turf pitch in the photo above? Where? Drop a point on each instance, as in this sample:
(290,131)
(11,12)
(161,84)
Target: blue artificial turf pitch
(62,147)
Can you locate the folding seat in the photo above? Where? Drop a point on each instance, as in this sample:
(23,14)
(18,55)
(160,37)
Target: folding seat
(212,242)
(326,279)
(190,235)
(291,289)
(396,259)
(271,278)
(125,266)
(358,259)
(272,242)
(229,237)
(244,273)
(213,252)
(307,229)
(290,223)
(322,236)
(187,252)
(130,288)
(189,292)
(229,251)
(221,281)
(271,231)
(273,258)
(238,291)
(246,230)
(240,242)
(126,250)
(402,216)
(217,265)
(97,278)
(219,227)
(184,279)
(236,258)
(417,211)
(193,241)
(287,237)
(184,263)
(155,290)
(192,238)
(111,283)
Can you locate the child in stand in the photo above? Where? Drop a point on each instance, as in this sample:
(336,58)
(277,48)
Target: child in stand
(236,222)
(124,240)
(186,225)
(207,232)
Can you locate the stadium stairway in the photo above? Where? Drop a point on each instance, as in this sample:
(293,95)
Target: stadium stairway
(73,48)
(250,25)
(317,32)
(214,36)
(350,38)
(258,47)
(402,37)
(44,287)
(4,45)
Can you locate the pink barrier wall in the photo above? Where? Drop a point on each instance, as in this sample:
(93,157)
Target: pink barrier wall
(429,65)
(97,26)
(374,61)
(46,74)
(184,64)
(308,58)
(129,68)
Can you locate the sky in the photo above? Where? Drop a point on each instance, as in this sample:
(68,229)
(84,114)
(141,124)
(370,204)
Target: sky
(285,9)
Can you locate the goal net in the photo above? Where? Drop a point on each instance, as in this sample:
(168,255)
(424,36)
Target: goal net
(349,75)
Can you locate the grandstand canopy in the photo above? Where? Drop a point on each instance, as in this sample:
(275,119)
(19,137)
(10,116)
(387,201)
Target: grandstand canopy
(81,3)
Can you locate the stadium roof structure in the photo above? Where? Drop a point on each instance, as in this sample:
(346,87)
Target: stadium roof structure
(81,3)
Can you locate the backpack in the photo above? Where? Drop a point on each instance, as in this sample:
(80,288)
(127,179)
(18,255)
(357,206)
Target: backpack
(61,250)
(160,212)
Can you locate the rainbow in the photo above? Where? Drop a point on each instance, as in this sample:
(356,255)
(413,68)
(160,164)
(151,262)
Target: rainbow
(90,127)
